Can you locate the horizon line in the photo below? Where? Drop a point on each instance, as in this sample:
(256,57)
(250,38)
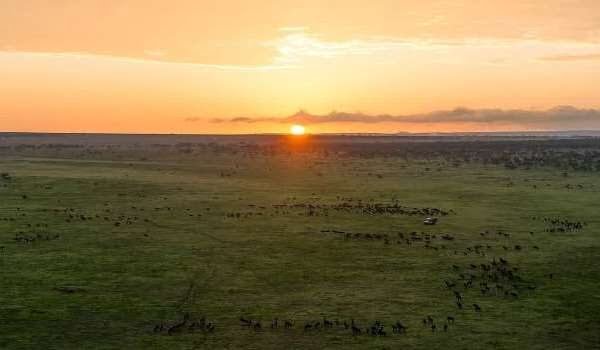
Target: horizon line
(398,133)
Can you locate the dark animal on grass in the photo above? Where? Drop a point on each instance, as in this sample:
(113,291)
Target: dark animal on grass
(200,324)
(377,329)
(398,327)
(245,322)
(177,328)
(159,328)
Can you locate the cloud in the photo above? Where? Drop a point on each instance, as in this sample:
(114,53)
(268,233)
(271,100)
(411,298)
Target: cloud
(298,45)
(555,118)
(242,119)
(293,29)
(147,59)
(572,57)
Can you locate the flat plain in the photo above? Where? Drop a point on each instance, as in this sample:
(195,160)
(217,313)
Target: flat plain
(268,242)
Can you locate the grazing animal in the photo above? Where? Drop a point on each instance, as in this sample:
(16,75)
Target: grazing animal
(159,328)
(377,329)
(245,322)
(398,327)
(193,326)
(179,326)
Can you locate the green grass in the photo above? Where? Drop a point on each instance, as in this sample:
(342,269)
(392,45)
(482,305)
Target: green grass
(190,259)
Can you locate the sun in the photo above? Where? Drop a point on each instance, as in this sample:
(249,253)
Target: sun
(297,130)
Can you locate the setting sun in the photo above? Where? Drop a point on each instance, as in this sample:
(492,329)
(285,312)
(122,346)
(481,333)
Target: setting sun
(297,129)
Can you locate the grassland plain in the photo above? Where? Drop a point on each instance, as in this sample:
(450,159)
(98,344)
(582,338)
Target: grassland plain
(97,252)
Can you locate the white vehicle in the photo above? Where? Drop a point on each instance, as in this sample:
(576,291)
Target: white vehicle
(430,221)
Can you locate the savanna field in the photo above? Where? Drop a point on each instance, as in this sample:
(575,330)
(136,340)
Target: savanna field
(182,242)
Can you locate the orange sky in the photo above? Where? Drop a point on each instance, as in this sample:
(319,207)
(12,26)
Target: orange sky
(175,66)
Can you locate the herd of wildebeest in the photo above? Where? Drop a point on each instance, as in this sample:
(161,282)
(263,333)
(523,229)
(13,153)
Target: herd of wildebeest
(497,277)
(376,328)
(569,154)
